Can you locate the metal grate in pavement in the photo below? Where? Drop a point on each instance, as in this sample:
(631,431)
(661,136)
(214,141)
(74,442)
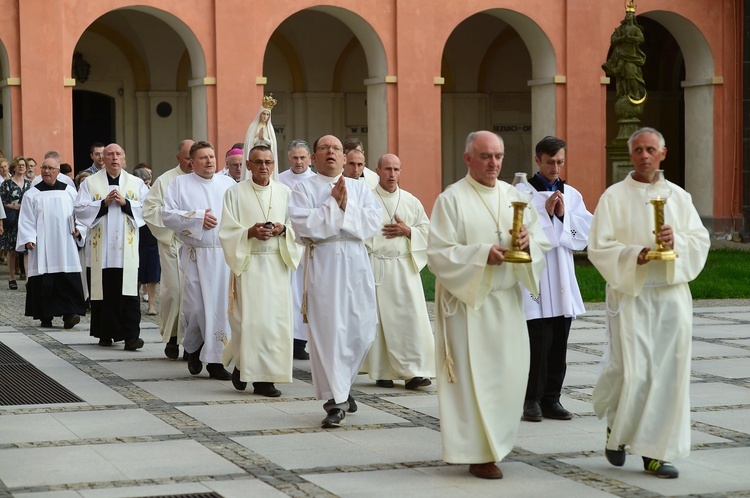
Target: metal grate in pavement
(21,383)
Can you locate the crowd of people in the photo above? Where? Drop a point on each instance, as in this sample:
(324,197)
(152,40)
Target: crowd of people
(256,268)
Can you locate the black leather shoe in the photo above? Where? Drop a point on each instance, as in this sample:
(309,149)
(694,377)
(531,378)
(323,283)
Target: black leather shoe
(417,382)
(46,324)
(384,383)
(195,365)
(532,412)
(236,382)
(334,419)
(615,457)
(556,411)
(70,321)
(105,342)
(266,389)
(352,404)
(133,344)
(299,350)
(171,349)
(218,372)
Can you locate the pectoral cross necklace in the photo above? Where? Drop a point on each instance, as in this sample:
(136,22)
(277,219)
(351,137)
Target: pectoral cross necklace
(398,201)
(270,199)
(495,219)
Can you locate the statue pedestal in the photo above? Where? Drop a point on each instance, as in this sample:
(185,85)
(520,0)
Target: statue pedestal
(618,161)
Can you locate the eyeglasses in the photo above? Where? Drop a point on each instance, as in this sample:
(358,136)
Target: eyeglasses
(48,168)
(325,148)
(261,162)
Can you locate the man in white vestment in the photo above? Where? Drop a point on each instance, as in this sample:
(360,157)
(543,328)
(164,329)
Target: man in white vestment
(333,216)
(109,205)
(47,229)
(234,164)
(643,390)
(364,174)
(259,246)
(482,346)
(60,176)
(170,285)
(192,209)
(565,221)
(404,347)
(299,170)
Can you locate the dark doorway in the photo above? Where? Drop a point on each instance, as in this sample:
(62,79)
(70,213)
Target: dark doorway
(93,121)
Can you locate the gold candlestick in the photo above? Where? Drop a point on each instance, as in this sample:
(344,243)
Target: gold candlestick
(661,253)
(516,254)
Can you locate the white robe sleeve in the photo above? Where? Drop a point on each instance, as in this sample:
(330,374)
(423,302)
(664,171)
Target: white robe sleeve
(86,208)
(420,231)
(27,222)
(152,210)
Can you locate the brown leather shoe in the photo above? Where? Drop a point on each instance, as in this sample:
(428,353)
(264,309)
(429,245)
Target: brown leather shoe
(486,470)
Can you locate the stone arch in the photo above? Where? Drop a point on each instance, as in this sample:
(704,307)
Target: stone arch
(134,39)
(698,90)
(542,81)
(309,98)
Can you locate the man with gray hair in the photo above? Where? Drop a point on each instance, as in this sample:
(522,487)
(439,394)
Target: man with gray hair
(299,170)
(46,228)
(53,154)
(643,389)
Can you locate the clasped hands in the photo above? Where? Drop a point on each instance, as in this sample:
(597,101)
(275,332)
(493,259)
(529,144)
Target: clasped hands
(665,236)
(338,192)
(497,253)
(555,204)
(114,196)
(260,232)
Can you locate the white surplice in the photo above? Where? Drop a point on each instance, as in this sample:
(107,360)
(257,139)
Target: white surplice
(261,306)
(169,244)
(559,294)
(205,274)
(290,179)
(113,238)
(339,282)
(404,345)
(479,318)
(370,178)
(643,389)
(45,220)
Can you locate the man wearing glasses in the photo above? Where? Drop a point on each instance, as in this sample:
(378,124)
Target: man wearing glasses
(259,247)
(333,216)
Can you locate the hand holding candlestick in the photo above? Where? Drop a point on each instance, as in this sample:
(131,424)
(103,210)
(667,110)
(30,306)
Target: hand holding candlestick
(658,192)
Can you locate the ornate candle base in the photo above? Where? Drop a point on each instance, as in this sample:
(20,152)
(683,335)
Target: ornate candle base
(515,254)
(661,253)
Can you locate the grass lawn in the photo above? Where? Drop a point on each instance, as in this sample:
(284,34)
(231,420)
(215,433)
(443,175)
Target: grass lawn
(725,276)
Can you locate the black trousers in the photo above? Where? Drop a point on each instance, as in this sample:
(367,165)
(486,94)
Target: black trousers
(54,294)
(115,317)
(548,341)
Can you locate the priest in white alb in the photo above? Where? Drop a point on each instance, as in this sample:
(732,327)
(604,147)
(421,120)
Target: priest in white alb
(643,390)
(404,346)
(192,209)
(299,171)
(170,288)
(482,346)
(333,216)
(109,204)
(259,247)
(47,229)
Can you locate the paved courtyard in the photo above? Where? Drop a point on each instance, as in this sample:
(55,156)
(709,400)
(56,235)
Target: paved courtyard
(146,427)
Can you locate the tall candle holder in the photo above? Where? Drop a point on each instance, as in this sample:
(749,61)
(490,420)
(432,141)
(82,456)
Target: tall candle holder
(515,254)
(658,192)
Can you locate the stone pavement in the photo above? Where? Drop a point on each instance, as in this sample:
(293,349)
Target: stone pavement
(146,427)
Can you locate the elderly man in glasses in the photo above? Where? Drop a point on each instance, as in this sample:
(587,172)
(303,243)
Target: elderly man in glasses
(333,216)
(259,247)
